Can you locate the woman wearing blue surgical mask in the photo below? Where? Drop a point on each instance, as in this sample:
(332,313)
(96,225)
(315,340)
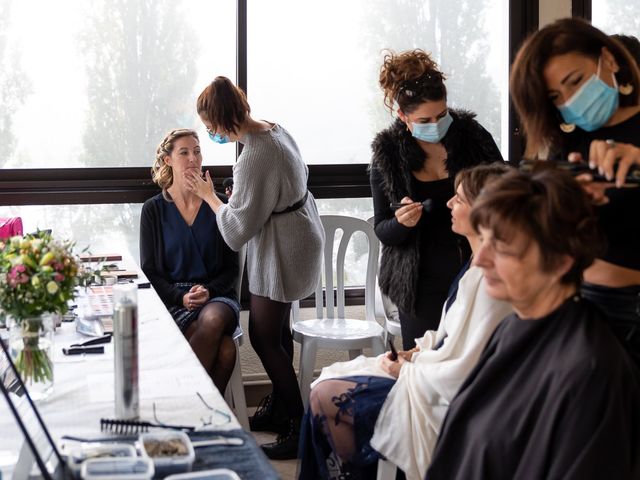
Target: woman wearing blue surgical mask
(272,212)
(577,92)
(414,163)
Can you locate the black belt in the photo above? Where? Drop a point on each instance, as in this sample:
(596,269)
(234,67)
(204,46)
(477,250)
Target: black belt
(292,208)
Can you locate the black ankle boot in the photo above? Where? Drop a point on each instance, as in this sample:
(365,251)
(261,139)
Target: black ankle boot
(270,416)
(286,445)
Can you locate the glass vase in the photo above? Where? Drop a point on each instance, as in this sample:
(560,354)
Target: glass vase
(31,347)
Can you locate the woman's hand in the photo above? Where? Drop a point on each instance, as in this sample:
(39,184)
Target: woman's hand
(195,298)
(595,190)
(407,355)
(390,366)
(606,154)
(410,215)
(203,187)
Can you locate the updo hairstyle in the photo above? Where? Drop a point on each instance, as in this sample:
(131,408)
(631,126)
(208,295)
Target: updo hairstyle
(474,179)
(224,105)
(161,173)
(409,79)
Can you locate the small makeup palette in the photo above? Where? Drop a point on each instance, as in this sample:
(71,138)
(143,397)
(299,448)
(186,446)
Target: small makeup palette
(100,299)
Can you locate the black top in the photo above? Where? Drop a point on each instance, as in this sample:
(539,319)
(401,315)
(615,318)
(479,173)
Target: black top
(437,236)
(172,251)
(441,251)
(619,218)
(395,154)
(550,398)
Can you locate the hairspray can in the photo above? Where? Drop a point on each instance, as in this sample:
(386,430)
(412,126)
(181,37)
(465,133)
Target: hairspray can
(125,336)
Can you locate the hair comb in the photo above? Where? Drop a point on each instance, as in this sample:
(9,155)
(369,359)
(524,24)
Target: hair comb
(127,427)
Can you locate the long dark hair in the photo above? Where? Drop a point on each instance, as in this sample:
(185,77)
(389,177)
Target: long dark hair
(540,118)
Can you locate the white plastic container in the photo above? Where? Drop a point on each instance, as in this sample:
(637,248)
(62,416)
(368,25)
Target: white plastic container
(86,451)
(168,465)
(215,474)
(137,468)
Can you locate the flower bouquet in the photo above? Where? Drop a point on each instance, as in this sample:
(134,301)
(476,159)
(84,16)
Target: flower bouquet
(38,276)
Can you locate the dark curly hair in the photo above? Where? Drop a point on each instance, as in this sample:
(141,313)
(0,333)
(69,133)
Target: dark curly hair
(409,79)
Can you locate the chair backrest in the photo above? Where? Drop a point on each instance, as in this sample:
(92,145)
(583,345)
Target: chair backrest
(242,255)
(349,226)
(385,309)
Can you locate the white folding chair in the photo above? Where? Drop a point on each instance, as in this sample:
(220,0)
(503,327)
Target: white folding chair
(234,394)
(386,312)
(333,330)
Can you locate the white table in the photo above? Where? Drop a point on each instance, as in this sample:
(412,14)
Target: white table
(170,376)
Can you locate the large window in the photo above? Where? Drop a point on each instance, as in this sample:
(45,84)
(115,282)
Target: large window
(95,84)
(105,228)
(616,16)
(313,66)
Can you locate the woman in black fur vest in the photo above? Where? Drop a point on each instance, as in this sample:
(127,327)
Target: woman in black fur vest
(415,160)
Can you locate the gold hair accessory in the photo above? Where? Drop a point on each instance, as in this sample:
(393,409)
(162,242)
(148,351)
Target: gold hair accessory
(626,89)
(567,127)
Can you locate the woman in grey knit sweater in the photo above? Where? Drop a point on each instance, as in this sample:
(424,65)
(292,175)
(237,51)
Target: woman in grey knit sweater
(273,212)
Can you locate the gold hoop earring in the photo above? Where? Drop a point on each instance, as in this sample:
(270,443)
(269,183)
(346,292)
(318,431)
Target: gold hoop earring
(626,89)
(567,127)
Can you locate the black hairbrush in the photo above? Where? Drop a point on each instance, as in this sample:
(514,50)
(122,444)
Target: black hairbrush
(127,427)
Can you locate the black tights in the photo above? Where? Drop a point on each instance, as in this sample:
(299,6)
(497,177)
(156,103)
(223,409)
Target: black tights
(271,338)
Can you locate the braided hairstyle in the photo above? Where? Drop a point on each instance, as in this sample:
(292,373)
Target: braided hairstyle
(409,79)
(161,172)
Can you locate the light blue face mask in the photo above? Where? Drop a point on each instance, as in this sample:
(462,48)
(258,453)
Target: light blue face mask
(217,138)
(592,105)
(432,132)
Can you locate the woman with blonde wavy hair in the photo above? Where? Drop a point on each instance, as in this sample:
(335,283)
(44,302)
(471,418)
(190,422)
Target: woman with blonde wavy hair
(186,259)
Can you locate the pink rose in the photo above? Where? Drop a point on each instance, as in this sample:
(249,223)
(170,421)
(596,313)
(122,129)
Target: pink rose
(17,275)
(58,277)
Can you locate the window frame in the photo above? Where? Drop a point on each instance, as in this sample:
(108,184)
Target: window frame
(133,184)
(114,185)
(581,8)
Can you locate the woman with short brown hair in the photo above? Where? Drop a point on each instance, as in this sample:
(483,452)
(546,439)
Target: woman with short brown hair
(553,395)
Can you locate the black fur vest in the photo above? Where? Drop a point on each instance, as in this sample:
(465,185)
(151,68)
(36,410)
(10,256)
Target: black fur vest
(395,151)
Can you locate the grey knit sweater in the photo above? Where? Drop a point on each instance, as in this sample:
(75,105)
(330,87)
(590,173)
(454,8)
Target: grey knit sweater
(284,253)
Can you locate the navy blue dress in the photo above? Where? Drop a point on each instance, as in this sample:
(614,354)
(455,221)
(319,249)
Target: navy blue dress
(175,256)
